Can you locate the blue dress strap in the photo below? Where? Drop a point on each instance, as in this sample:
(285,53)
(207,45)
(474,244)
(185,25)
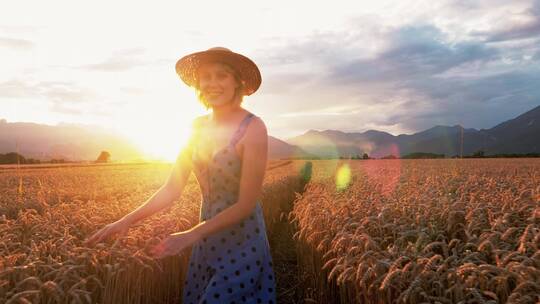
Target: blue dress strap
(241,129)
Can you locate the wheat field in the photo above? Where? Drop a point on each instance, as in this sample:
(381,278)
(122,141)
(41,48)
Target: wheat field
(356,231)
(423,231)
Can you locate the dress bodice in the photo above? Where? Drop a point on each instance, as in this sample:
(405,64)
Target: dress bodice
(219,175)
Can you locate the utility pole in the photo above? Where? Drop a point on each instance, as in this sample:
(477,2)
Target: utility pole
(461,145)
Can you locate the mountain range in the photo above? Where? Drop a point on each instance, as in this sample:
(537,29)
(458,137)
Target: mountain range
(519,135)
(75,142)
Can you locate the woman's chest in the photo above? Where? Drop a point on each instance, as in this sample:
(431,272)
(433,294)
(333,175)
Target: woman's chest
(210,142)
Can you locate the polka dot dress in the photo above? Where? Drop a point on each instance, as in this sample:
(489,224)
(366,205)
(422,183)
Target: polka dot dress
(233,265)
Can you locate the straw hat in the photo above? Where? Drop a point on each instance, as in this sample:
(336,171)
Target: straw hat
(187,66)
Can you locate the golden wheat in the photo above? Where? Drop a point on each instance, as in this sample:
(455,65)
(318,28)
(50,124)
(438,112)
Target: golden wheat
(46,214)
(415,231)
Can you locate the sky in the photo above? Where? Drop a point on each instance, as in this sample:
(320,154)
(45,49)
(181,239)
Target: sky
(394,66)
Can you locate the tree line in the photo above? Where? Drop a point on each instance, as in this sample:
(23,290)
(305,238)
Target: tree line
(425,155)
(16,158)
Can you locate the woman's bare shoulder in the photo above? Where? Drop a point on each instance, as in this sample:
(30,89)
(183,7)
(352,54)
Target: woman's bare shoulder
(199,121)
(201,118)
(257,129)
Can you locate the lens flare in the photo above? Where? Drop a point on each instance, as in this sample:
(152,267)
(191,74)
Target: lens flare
(319,146)
(343,177)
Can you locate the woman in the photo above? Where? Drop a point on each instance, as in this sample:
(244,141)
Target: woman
(230,259)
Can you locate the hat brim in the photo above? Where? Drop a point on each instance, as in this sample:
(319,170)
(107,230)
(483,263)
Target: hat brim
(187,67)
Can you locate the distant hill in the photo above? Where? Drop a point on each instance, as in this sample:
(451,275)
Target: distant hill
(277,149)
(78,143)
(518,135)
(71,142)
(75,142)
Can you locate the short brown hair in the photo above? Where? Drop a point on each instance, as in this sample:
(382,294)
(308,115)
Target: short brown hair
(238,93)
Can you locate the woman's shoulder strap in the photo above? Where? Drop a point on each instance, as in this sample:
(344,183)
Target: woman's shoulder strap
(241,128)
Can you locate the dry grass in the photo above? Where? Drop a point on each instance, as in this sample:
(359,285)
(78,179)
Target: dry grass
(413,231)
(46,214)
(402,231)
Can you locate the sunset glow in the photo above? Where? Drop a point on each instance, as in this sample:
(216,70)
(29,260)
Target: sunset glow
(347,65)
(160,128)
(280,151)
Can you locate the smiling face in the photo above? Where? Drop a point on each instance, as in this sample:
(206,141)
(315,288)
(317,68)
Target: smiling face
(217,84)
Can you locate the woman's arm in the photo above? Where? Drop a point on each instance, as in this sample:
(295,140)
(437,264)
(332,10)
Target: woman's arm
(162,198)
(254,161)
(174,186)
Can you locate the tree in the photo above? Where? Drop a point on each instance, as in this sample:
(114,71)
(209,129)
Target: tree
(365,156)
(103,157)
(12,158)
(422,155)
(479,153)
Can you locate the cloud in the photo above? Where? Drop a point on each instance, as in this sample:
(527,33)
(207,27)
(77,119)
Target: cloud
(16,89)
(340,110)
(20,44)
(119,62)
(283,82)
(522,25)
(407,77)
(393,66)
(54,90)
(413,51)
(536,56)
(62,97)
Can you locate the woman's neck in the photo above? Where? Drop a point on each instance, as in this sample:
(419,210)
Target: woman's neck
(226,112)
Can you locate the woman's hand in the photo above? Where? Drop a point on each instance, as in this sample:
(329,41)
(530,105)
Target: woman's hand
(120,227)
(174,244)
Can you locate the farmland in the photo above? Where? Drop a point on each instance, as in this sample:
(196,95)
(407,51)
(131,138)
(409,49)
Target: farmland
(362,231)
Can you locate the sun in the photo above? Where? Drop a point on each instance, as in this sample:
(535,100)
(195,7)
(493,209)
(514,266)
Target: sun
(158,141)
(160,130)
(161,141)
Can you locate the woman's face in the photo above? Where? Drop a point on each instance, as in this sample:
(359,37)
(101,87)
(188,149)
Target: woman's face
(216,83)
